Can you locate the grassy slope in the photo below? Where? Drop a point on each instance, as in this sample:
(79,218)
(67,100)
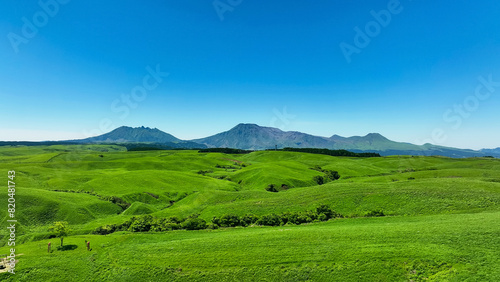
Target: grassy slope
(442,187)
(438,247)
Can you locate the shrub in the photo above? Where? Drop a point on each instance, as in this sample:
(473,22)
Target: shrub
(317,167)
(216,220)
(174,219)
(126,225)
(248,219)
(104,230)
(332,174)
(212,226)
(195,224)
(327,211)
(286,217)
(165,224)
(269,220)
(311,214)
(141,224)
(375,213)
(271,188)
(323,217)
(285,187)
(303,218)
(319,179)
(229,220)
(169,226)
(290,217)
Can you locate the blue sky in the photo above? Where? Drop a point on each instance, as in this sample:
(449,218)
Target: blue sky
(66,66)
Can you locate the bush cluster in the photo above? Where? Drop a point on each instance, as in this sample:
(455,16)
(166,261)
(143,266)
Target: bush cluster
(224,150)
(143,224)
(274,188)
(150,223)
(330,175)
(338,153)
(226,166)
(375,213)
(321,213)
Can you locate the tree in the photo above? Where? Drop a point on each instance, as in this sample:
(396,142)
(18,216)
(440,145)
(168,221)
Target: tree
(195,224)
(319,179)
(332,174)
(269,220)
(248,219)
(229,220)
(60,229)
(271,188)
(327,211)
(141,224)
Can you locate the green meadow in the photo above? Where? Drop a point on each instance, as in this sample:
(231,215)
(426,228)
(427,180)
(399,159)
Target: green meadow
(441,216)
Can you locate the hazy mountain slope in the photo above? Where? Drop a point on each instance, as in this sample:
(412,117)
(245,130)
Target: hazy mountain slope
(495,151)
(372,141)
(254,137)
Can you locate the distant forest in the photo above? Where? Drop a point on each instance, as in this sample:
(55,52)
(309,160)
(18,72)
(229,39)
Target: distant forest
(337,153)
(224,150)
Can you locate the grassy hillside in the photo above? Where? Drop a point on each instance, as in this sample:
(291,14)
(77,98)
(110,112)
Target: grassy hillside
(438,247)
(443,215)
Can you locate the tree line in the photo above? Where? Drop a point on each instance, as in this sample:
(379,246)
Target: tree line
(224,150)
(149,223)
(336,153)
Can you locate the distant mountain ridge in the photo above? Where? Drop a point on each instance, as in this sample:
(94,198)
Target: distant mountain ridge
(491,151)
(254,137)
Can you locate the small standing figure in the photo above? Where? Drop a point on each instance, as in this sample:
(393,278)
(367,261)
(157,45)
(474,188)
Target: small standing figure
(48,248)
(88,245)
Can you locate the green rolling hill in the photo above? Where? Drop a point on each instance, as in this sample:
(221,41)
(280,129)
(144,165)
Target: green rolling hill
(441,215)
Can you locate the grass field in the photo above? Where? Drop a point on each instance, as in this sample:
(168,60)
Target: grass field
(442,216)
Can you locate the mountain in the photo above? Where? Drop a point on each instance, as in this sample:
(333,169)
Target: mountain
(127,134)
(141,137)
(254,137)
(495,151)
(371,141)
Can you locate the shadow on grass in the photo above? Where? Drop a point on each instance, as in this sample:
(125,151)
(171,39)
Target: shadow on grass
(67,248)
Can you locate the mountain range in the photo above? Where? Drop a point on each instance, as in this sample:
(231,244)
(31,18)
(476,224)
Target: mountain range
(255,137)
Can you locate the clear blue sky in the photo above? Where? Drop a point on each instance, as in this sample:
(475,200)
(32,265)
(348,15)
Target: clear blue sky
(414,81)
